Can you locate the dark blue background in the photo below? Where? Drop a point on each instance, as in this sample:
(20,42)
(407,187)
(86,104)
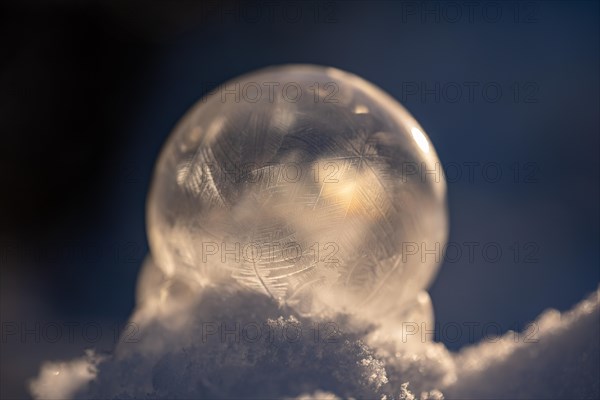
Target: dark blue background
(91,92)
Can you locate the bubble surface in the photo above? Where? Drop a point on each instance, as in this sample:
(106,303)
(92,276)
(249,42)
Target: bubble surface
(305,183)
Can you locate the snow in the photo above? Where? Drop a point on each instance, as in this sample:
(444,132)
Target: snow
(232,343)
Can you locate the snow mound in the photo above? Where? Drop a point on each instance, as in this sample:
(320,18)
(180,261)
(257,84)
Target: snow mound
(239,344)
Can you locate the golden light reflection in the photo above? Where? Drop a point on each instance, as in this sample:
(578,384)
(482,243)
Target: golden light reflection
(346,192)
(360,109)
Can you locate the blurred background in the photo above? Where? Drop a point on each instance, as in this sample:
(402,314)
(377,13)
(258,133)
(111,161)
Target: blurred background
(507,91)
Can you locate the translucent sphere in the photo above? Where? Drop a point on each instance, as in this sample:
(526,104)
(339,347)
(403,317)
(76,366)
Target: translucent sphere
(305,183)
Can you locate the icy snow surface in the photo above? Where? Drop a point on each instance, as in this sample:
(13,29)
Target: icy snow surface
(238,343)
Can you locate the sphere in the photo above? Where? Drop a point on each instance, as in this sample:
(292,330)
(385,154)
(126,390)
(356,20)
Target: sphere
(305,183)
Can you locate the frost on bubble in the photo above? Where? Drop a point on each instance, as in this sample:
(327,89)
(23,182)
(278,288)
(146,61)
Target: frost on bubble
(308,200)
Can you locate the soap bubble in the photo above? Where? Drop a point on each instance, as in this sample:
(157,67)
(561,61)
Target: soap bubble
(305,183)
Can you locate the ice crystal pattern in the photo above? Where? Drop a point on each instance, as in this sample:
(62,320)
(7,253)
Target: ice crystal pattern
(305,183)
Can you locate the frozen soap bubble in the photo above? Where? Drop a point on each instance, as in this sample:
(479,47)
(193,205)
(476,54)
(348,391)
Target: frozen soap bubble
(305,183)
